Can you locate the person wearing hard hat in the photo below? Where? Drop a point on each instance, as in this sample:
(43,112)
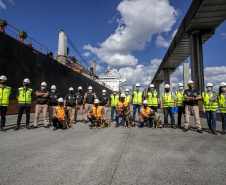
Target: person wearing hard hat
(210,106)
(145,112)
(118,109)
(222,105)
(97,111)
(152,98)
(180,103)
(41,105)
(114,99)
(59,115)
(137,99)
(5,92)
(24,97)
(88,101)
(79,103)
(192,96)
(104,101)
(128,97)
(70,104)
(168,101)
(53,97)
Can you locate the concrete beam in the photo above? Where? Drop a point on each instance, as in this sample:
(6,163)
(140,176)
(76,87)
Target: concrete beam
(197,72)
(167,73)
(186,74)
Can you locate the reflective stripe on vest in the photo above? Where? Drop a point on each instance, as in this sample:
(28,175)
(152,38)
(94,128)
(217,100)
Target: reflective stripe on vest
(4,96)
(97,112)
(127,98)
(147,111)
(168,101)
(114,100)
(153,100)
(120,105)
(222,103)
(137,98)
(24,96)
(60,112)
(209,105)
(180,98)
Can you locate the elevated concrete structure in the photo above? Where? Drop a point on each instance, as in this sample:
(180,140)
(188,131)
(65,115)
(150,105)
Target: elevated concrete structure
(199,24)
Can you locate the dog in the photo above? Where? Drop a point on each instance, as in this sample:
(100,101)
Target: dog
(67,118)
(101,124)
(157,120)
(128,119)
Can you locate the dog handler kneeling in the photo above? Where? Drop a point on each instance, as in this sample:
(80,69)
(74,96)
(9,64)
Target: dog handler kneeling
(145,111)
(58,115)
(96,111)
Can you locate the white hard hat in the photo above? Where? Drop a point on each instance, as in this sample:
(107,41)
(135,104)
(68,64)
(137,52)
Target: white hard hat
(60,100)
(127,90)
(123,95)
(137,85)
(152,85)
(71,89)
(104,91)
(90,87)
(209,85)
(167,86)
(145,102)
(180,85)
(43,84)
(79,87)
(26,80)
(222,84)
(53,87)
(96,101)
(3,77)
(190,82)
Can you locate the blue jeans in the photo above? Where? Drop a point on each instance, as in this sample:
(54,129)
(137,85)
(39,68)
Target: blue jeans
(142,120)
(134,110)
(117,116)
(112,112)
(166,112)
(211,119)
(223,115)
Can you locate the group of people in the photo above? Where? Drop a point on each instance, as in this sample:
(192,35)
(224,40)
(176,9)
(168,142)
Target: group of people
(187,102)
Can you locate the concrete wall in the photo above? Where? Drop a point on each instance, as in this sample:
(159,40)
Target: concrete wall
(18,61)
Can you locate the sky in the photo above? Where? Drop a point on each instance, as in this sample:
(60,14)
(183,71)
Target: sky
(130,36)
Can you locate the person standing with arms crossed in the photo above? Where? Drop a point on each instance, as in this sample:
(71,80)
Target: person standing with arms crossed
(79,103)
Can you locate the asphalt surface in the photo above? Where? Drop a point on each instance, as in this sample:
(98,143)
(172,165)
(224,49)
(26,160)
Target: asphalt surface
(111,155)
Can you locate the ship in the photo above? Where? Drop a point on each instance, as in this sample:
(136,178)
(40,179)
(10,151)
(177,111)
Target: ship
(23,57)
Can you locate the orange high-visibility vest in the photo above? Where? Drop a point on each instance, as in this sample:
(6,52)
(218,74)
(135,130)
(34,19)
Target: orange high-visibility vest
(60,112)
(147,111)
(97,112)
(120,105)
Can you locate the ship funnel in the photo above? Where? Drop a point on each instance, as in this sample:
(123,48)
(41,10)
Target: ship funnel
(62,44)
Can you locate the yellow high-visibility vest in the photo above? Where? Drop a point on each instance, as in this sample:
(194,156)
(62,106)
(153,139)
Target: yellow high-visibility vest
(209,105)
(4,96)
(24,96)
(137,98)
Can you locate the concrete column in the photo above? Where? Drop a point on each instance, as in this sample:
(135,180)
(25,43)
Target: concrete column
(167,76)
(186,74)
(157,83)
(171,88)
(197,72)
(162,88)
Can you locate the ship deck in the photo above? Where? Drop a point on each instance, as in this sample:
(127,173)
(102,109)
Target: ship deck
(112,155)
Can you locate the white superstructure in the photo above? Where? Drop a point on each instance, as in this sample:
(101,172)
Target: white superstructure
(62,44)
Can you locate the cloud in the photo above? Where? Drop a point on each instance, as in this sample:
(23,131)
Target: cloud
(86,54)
(99,68)
(2,5)
(12,2)
(136,26)
(162,42)
(223,35)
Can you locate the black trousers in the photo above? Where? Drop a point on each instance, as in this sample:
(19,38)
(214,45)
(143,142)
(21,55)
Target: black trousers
(92,119)
(20,113)
(3,110)
(181,111)
(61,123)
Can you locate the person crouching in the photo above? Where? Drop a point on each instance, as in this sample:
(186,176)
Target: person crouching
(58,115)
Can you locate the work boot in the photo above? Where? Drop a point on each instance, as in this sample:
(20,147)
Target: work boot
(214,132)
(3,129)
(185,130)
(165,126)
(47,126)
(116,126)
(199,131)
(17,128)
(92,125)
(28,127)
(210,131)
(140,126)
(174,127)
(34,127)
(54,128)
(223,132)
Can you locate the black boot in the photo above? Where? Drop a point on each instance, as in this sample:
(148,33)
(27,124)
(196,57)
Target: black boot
(223,132)
(17,128)
(28,127)
(3,129)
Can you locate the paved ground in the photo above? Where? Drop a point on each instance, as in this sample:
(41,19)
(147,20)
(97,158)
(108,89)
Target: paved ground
(111,156)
